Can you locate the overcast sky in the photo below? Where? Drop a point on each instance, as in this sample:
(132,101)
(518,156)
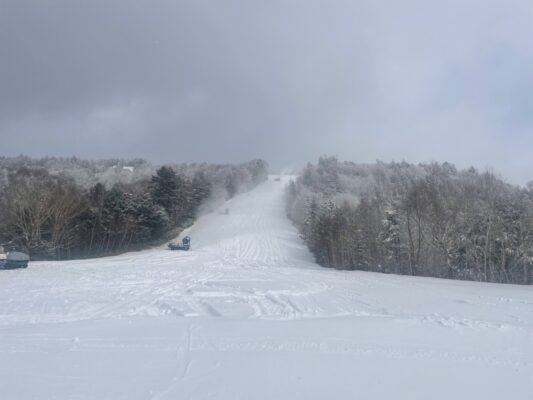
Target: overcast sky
(283,80)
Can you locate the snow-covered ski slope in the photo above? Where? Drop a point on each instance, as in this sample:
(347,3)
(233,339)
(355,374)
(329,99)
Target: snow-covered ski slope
(248,315)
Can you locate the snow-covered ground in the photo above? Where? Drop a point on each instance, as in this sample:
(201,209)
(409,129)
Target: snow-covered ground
(248,315)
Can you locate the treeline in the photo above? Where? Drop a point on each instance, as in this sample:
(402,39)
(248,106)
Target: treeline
(85,173)
(426,219)
(52,215)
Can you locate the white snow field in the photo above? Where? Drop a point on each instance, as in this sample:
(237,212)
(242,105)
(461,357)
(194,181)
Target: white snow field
(248,315)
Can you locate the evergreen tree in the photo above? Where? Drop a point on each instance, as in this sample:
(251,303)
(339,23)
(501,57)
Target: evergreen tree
(165,190)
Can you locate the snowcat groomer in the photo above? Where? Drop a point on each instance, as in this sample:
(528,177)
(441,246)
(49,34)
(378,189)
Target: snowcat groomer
(13,259)
(185,244)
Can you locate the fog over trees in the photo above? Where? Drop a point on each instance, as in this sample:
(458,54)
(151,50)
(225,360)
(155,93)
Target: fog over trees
(56,208)
(425,219)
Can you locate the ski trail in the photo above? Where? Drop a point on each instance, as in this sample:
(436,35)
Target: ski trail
(248,314)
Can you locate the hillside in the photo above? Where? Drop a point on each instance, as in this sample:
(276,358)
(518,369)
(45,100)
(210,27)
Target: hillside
(247,314)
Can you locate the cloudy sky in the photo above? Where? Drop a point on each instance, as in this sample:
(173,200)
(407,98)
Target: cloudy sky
(284,80)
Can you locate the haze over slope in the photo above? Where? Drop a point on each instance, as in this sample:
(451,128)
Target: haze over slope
(247,314)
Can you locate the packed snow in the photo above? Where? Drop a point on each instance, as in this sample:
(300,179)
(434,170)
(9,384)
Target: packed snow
(247,314)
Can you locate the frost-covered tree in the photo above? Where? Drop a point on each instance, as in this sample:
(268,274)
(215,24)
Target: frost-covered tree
(425,219)
(67,207)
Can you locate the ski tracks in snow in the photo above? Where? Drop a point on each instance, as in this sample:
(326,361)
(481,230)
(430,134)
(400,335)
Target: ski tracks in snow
(245,306)
(249,263)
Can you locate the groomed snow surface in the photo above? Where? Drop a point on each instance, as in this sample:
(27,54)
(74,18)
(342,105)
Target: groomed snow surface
(248,315)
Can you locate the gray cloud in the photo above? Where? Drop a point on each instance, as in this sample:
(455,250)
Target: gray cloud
(283,80)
